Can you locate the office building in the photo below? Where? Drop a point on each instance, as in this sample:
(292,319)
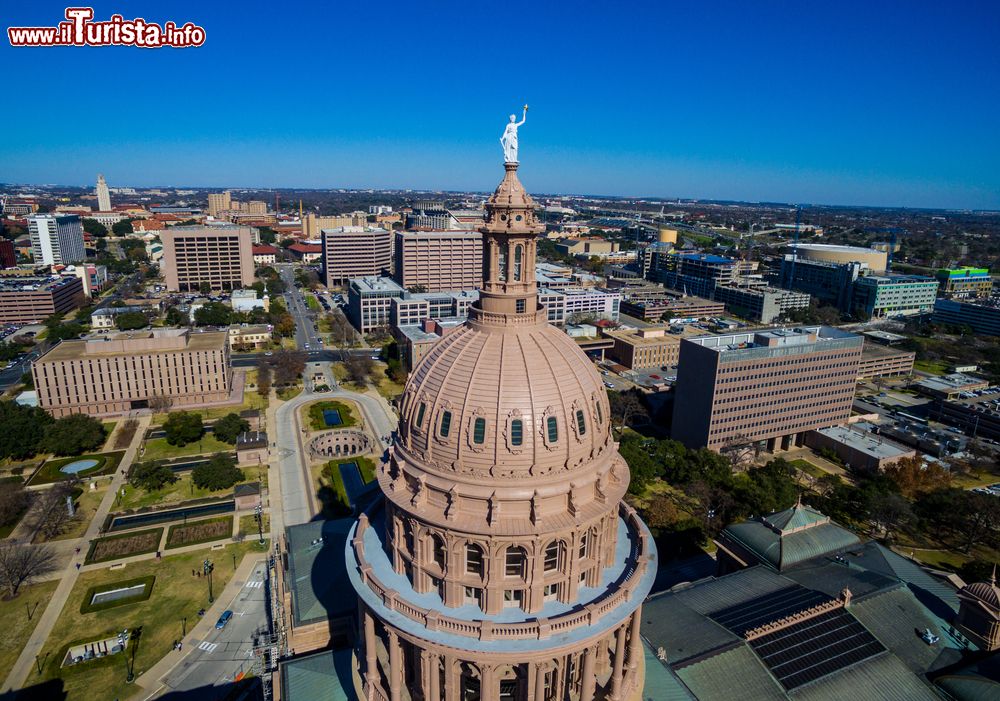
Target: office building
(439,260)
(313,225)
(248,337)
(29,300)
(653,347)
(881,361)
(763,304)
(369,302)
(219,256)
(103,195)
(764,386)
(670,309)
(499,561)
(434,216)
(415,340)
(571,304)
(247,300)
(857,448)
(951,386)
(700,273)
(355,252)
(964,283)
(219,202)
(120,373)
(56,239)
(414,307)
(982,317)
(586,246)
(829,283)
(877,296)
(8,256)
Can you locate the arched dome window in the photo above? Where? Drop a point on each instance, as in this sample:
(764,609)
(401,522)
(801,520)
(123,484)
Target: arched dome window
(445,427)
(554,555)
(518,255)
(439,553)
(581,423)
(420,414)
(515,561)
(473,559)
(600,412)
(479,431)
(552,427)
(516,432)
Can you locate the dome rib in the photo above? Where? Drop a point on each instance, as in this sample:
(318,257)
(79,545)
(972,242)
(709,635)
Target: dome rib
(462,446)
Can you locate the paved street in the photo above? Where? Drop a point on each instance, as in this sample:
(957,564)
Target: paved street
(216,657)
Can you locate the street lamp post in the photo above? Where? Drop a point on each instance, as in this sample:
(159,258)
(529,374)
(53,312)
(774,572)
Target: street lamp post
(208,567)
(184,626)
(258,513)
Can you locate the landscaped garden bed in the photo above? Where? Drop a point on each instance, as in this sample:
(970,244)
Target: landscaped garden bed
(116,547)
(52,470)
(196,532)
(117,594)
(331,414)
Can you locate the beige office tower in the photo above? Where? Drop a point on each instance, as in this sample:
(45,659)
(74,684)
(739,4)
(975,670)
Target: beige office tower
(439,260)
(219,202)
(103,195)
(121,373)
(313,226)
(500,562)
(220,256)
(355,251)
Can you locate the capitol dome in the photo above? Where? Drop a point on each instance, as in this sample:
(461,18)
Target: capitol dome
(506,406)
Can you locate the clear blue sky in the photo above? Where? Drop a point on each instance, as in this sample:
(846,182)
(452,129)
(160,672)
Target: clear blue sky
(885,103)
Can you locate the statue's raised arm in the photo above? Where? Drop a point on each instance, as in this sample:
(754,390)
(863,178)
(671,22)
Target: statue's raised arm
(524,116)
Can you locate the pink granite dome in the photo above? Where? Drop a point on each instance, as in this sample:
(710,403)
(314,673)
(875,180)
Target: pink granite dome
(988,593)
(483,387)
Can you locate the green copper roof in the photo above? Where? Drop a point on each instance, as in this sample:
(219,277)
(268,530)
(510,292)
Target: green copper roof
(661,684)
(325,675)
(791,536)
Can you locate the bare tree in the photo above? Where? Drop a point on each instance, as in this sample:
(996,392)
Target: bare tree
(159,403)
(126,433)
(20,564)
(741,452)
(359,368)
(625,406)
(263,377)
(51,514)
(288,366)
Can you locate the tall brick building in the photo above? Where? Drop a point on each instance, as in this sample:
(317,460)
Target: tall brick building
(220,256)
(764,385)
(439,260)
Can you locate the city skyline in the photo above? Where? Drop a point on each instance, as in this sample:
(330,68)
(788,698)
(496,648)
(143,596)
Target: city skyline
(731,104)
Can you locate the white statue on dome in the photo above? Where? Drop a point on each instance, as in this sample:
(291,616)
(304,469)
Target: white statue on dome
(509,138)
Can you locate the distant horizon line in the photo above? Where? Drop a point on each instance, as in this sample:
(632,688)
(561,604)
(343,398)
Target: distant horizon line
(657,200)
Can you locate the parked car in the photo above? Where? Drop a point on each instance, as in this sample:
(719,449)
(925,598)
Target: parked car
(223,619)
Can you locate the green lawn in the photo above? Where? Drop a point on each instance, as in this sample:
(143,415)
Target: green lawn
(15,624)
(159,449)
(251,400)
(332,492)
(176,595)
(184,489)
(248,525)
(935,367)
(286,393)
(313,303)
(315,410)
(107,463)
(809,468)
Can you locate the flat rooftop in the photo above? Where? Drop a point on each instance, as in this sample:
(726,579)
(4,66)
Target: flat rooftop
(885,336)
(951,383)
(834,248)
(137,343)
(35,283)
(655,335)
(867,443)
(776,341)
(376,284)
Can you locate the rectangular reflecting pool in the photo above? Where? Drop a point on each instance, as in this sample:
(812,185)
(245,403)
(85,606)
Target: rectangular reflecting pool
(332,417)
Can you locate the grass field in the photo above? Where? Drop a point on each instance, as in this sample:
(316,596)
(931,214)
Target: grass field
(248,525)
(204,531)
(251,400)
(116,547)
(808,468)
(313,303)
(107,463)
(183,489)
(386,387)
(314,413)
(159,449)
(935,367)
(286,393)
(15,624)
(176,595)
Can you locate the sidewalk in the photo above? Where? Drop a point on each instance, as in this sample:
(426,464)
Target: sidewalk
(26,661)
(151,681)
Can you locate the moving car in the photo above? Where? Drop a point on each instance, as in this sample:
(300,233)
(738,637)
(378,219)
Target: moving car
(223,619)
